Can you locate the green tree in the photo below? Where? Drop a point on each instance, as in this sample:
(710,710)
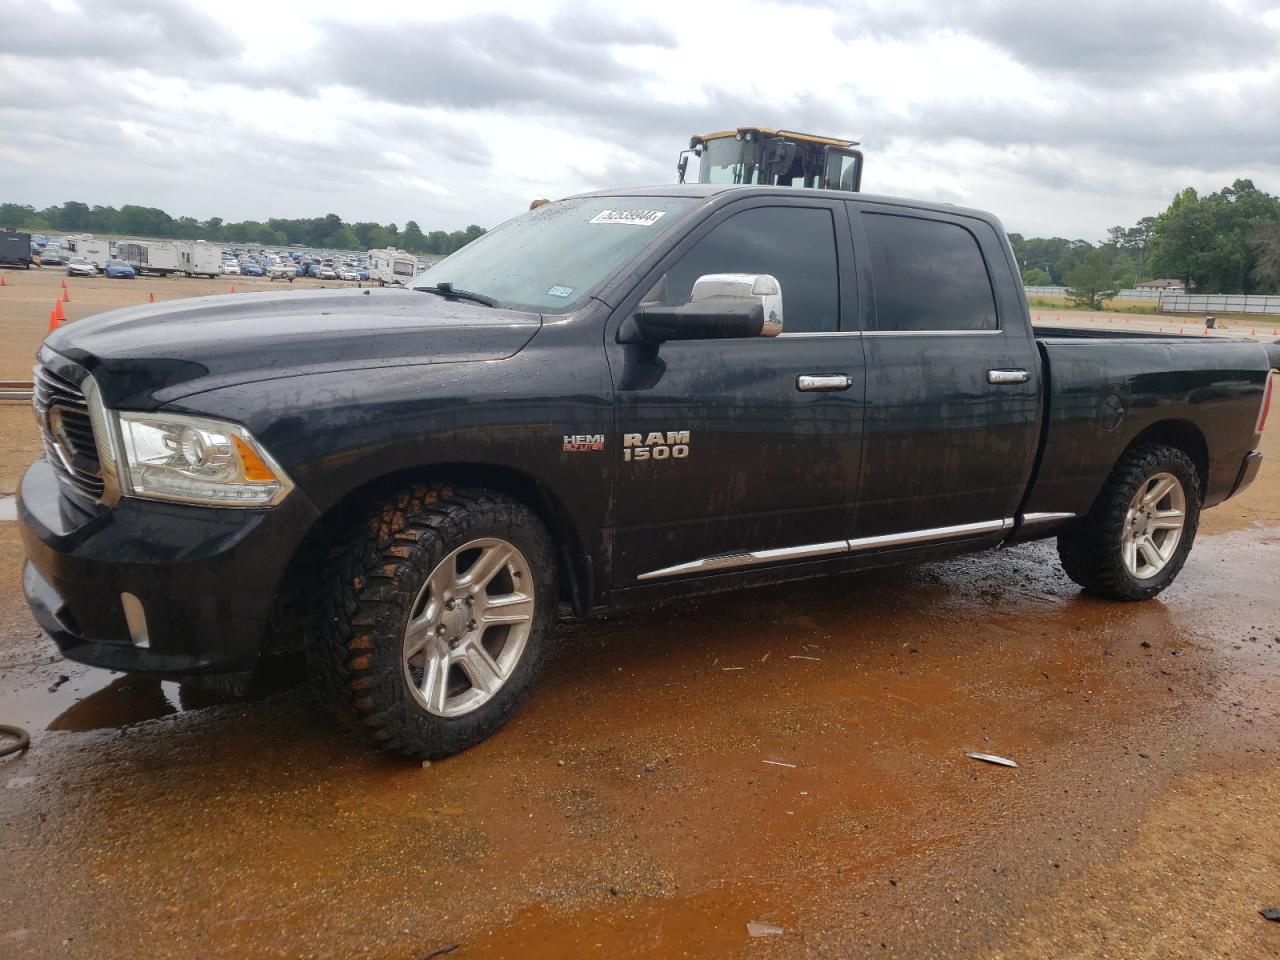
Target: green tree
(16,214)
(329,231)
(74,216)
(1209,242)
(1036,277)
(413,239)
(1266,250)
(144,221)
(1091,281)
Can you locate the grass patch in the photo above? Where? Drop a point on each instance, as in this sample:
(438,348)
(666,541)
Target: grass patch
(1108,306)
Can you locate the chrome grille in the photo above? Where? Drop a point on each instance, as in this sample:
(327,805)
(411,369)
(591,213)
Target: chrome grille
(67,432)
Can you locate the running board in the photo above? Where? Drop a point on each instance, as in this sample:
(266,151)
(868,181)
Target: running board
(734,561)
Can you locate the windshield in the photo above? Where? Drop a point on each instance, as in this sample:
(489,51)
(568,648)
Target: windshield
(722,158)
(552,257)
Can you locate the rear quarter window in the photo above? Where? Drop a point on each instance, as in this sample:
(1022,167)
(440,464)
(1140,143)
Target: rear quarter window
(928,275)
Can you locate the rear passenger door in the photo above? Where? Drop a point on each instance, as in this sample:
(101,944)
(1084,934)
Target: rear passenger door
(953,379)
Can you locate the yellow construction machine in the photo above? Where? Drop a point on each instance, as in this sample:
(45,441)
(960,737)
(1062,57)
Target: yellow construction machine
(776,157)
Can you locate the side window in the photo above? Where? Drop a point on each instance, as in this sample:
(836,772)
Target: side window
(928,275)
(797,245)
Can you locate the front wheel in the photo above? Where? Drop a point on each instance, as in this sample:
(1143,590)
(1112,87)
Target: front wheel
(1135,539)
(434,618)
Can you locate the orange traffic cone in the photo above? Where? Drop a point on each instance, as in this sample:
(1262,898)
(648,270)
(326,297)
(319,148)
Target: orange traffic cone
(53,321)
(64,283)
(57,308)
(3,282)
(233,289)
(66,295)
(151,298)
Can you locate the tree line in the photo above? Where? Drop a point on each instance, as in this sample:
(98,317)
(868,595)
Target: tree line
(327,232)
(1224,242)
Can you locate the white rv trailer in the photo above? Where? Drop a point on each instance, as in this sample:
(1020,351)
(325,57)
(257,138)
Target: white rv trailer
(149,256)
(392,266)
(94,249)
(196,258)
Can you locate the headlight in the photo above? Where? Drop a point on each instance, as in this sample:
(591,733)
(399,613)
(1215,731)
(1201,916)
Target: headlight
(171,456)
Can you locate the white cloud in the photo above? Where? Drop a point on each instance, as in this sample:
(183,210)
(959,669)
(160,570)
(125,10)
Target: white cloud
(1063,120)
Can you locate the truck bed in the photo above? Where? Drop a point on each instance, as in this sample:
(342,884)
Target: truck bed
(1104,389)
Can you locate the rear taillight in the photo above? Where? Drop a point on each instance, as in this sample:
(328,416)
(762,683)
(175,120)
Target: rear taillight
(1266,403)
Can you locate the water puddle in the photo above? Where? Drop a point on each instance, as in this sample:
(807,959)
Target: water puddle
(91,699)
(79,699)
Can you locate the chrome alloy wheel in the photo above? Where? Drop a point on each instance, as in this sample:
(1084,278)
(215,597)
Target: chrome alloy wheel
(1153,525)
(468,627)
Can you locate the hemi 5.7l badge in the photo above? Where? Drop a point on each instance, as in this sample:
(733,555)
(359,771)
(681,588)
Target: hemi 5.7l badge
(583,442)
(672,445)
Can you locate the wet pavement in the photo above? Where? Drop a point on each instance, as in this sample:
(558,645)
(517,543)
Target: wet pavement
(793,755)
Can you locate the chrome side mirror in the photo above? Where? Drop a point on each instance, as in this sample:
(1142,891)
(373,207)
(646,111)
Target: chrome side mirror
(760,287)
(722,306)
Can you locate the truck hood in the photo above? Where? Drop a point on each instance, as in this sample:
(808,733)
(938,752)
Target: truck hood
(146,356)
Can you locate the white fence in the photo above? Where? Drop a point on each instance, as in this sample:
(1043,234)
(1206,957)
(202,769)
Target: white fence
(1121,295)
(1185,302)
(1218,303)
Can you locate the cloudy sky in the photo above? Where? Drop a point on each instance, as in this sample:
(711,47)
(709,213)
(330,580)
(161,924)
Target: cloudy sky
(1064,118)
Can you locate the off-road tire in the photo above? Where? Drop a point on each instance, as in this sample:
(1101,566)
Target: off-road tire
(1089,547)
(370,581)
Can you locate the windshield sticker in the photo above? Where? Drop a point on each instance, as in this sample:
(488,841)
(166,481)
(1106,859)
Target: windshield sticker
(559,291)
(635,218)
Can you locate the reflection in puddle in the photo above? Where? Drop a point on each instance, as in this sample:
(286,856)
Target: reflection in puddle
(94,699)
(122,702)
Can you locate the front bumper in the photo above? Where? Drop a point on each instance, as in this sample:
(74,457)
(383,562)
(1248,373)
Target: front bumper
(206,577)
(1248,470)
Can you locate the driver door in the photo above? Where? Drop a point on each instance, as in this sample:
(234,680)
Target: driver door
(728,449)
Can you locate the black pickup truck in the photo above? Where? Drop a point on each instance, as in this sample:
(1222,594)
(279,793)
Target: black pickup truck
(620,397)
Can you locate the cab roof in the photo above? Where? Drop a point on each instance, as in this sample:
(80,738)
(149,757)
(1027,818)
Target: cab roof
(723,192)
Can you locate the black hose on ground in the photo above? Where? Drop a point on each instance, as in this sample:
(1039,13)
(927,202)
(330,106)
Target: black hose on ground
(21,739)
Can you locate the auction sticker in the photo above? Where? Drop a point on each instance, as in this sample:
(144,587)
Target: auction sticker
(560,291)
(634,218)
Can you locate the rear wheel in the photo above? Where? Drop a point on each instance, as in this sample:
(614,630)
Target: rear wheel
(1135,539)
(434,619)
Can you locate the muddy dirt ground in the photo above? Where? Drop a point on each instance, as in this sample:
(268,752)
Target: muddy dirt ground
(628,811)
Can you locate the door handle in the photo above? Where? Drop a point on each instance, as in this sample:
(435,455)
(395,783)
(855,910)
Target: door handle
(1007,376)
(823,381)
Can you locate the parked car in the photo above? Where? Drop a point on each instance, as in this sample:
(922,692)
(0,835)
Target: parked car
(119,270)
(349,273)
(424,476)
(52,257)
(282,271)
(80,267)
(324,272)
(251,270)
(230,267)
